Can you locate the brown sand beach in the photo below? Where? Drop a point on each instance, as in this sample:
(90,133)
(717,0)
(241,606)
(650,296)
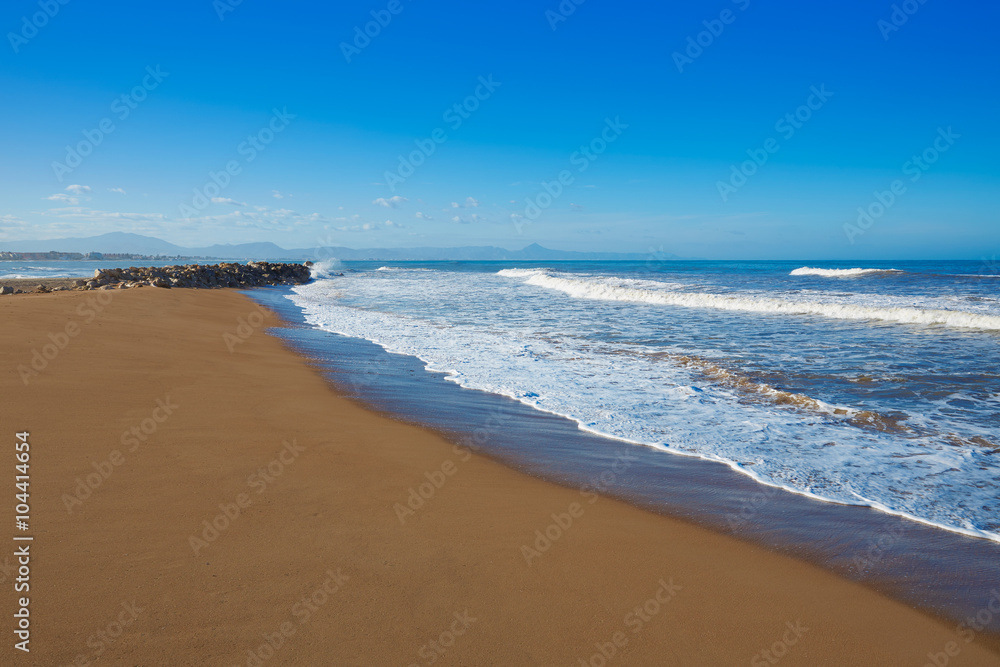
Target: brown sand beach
(199,495)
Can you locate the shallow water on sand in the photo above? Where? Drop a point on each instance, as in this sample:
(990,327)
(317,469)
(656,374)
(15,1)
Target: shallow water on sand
(874,386)
(945,572)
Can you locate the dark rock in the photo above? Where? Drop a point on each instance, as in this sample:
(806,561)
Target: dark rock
(215,276)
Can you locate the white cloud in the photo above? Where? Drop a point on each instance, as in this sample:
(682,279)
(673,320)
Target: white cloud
(277,195)
(76,194)
(118,190)
(8,223)
(60,197)
(392,202)
(89,214)
(284,220)
(424,216)
(576,207)
(470,202)
(227,200)
(370,226)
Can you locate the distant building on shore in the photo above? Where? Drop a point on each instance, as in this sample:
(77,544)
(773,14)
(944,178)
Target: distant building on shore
(53,255)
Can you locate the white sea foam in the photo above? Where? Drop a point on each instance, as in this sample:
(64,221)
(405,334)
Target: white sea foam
(39,275)
(26,272)
(542,354)
(519,273)
(326,268)
(603,289)
(839,273)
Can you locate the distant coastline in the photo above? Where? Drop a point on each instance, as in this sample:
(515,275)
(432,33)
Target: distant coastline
(54,256)
(119,245)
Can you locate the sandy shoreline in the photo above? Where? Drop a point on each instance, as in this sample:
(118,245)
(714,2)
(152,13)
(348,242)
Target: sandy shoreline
(29,285)
(345,537)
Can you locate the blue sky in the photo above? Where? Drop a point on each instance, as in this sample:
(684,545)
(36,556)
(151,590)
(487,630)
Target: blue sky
(210,85)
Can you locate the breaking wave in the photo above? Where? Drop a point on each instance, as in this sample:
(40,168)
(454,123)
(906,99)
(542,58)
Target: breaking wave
(327,268)
(601,289)
(838,273)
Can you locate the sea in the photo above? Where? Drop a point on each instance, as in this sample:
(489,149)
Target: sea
(41,269)
(844,412)
(864,384)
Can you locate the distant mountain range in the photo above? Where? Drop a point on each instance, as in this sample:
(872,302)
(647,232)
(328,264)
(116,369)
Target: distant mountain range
(121,242)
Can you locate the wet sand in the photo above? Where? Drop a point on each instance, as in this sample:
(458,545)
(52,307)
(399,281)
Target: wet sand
(342,536)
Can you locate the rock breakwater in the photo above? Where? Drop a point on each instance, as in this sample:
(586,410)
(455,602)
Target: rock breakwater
(200,276)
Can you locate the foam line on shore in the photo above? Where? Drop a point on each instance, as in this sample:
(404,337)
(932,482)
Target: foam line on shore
(600,289)
(454,375)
